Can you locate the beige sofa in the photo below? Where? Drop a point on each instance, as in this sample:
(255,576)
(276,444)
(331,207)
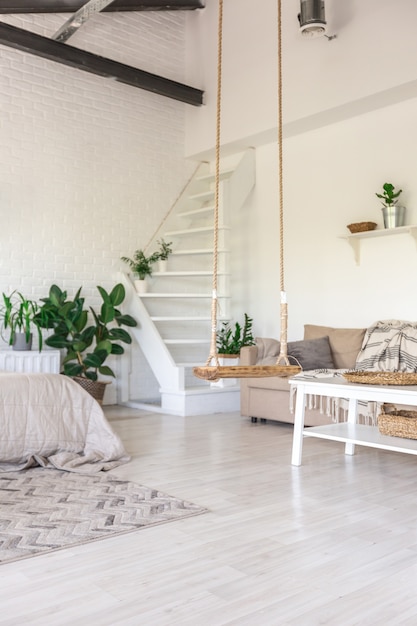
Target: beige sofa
(269,398)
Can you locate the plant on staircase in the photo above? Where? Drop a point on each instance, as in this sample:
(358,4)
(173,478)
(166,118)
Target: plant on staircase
(88,337)
(165,249)
(230,340)
(141,265)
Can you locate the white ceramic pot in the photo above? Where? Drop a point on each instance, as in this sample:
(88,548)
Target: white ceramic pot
(141,285)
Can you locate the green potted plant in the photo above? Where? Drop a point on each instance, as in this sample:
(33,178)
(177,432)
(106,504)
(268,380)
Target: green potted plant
(19,317)
(393,213)
(142,267)
(230,340)
(165,249)
(88,336)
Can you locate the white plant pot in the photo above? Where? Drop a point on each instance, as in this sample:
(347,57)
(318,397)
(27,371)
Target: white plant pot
(163,265)
(226,382)
(141,285)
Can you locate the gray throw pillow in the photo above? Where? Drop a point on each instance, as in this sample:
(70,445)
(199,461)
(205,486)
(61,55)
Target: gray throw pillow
(312,354)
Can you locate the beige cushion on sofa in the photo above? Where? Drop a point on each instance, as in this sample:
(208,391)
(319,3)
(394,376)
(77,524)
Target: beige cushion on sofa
(345,343)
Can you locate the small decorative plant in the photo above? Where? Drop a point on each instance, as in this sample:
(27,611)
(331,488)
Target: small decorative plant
(165,249)
(19,315)
(141,264)
(230,341)
(389,197)
(88,342)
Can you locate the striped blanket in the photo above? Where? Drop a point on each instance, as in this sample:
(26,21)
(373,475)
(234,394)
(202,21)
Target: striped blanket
(335,408)
(389,346)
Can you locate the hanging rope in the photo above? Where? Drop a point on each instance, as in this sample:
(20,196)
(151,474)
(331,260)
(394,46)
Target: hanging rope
(283,354)
(282,366)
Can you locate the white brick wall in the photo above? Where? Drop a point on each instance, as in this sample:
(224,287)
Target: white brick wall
(88,166)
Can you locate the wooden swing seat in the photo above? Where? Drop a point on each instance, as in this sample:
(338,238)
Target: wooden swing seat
(215,372)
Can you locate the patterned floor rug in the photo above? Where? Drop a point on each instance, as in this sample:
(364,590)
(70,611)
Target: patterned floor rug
(42,510)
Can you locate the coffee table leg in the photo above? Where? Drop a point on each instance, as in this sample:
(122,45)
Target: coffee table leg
(297,442)
(352,417)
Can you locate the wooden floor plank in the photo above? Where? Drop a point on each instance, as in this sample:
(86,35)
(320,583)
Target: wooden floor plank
(330,542)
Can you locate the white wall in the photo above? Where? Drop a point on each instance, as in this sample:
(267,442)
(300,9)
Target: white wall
(350,125)
(82,157)
(367,66)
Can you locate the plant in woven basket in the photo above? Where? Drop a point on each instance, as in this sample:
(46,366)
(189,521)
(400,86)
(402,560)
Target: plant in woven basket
(389,197)
(88,336)
(230,341)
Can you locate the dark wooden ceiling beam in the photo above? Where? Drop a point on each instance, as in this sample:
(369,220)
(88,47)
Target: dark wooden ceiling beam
(52,50)
(70,6)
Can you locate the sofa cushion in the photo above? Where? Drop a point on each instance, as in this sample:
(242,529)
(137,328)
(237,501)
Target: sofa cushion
(311,354)
(345,343)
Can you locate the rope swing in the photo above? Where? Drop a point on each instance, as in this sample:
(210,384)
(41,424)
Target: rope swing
(212,370)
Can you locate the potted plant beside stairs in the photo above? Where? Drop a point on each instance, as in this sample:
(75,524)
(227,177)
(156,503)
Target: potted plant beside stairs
(88,336)
(229,342)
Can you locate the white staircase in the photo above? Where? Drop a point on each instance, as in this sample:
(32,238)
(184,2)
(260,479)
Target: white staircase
(174,325)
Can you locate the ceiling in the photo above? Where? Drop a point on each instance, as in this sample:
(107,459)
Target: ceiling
(70,6)
(57,50)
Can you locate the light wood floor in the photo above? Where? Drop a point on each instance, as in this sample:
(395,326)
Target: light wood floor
(331,542)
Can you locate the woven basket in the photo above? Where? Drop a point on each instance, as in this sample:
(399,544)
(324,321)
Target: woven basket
(361,227)
(95,388)
(398,424)
(381,378)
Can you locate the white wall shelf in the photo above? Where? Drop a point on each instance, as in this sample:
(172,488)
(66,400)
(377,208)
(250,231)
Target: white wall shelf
(355,239)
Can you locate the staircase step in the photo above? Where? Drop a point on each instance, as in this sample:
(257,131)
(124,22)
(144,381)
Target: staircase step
(194,231)
(180,342)
(190,273)
(198,251)
(212,176)
(202,211)
(205,195)
(151,294)
(178,318)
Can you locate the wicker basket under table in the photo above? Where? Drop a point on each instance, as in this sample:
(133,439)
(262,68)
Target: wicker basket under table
(398,423)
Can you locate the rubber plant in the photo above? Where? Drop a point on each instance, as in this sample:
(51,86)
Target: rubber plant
(88,336)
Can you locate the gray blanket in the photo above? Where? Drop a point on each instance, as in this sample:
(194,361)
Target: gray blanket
(49,420)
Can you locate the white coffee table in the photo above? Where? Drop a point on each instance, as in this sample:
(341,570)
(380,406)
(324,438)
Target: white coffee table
(350,432)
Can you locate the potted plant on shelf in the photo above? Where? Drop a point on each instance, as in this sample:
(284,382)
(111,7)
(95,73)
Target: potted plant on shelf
(393,213)
(19,317)
(87,336)
(165,249)
(142,267)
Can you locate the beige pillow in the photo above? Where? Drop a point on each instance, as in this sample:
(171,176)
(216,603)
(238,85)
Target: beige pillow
(345,343)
